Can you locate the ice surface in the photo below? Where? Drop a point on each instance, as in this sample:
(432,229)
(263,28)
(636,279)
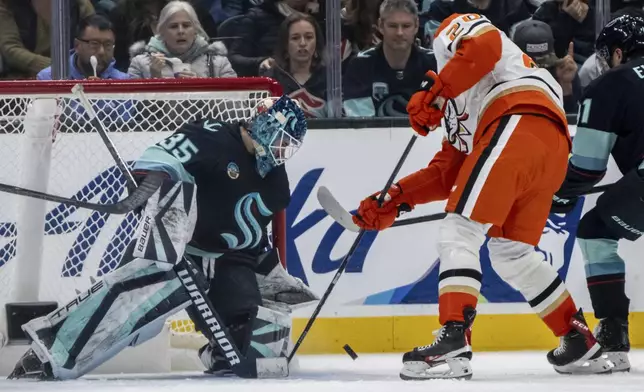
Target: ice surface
(497,372)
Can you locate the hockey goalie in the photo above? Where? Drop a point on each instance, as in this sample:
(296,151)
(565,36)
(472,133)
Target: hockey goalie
(224,181)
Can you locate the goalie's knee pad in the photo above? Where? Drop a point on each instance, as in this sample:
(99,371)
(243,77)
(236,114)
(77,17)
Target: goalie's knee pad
(523,268)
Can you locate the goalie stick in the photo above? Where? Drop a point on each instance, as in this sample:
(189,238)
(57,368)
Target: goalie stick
(216,333)
(345,260)
(131,202)
(339,214)
(78,91)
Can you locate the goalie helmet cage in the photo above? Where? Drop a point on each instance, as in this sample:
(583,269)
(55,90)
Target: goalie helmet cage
(49,250)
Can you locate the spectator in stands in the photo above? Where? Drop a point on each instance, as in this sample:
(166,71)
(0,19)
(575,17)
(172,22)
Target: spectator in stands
(25,40)
(180,49)
(94,37)
(502,13)
(299,65)
(570,21)
(360,24)
(535,38)
(380,81)
(258,32)
(221,10)
(136,20)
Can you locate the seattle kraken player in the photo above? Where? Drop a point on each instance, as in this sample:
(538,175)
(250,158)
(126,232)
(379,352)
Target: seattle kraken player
(611,122)
(224,183)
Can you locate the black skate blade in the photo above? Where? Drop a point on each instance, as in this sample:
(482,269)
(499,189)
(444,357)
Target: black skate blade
(585,365)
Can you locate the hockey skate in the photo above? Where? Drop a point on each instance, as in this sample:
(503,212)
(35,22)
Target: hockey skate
(30,366)
(452,347)
(215,363)
(578,351)
(612,335)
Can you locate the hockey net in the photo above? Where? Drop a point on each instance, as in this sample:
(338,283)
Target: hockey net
(49,250)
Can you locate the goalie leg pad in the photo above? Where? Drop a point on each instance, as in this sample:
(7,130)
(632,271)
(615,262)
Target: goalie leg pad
(126,308)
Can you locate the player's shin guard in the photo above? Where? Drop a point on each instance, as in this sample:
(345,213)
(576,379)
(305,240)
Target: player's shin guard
(605,276)
(126,308)
(524,269)
(459,281)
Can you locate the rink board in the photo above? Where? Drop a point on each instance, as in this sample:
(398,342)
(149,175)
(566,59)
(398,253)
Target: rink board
(386,300)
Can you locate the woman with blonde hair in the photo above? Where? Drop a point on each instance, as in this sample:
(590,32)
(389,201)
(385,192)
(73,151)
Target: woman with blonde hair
(180,48)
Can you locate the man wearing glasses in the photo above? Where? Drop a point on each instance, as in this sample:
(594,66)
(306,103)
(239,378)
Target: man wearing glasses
(94,37)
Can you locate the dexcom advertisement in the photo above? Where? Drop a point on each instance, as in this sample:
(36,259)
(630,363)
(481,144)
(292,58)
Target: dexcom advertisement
(396,267)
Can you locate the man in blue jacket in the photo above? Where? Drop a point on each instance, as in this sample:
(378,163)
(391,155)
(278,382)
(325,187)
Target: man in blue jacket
(94,37)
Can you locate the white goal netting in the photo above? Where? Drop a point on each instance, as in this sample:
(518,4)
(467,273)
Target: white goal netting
(49,250)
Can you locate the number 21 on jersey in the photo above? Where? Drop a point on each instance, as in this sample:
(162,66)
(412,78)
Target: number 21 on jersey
(179,146)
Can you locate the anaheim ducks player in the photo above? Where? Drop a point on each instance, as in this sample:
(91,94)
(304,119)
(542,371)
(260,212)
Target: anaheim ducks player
(504,156)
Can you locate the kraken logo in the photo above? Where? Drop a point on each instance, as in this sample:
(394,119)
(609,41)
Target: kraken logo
(248,224)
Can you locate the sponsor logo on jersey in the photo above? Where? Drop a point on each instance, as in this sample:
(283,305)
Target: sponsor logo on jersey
(233,170)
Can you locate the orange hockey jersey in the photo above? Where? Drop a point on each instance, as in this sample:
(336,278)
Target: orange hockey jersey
(485,76)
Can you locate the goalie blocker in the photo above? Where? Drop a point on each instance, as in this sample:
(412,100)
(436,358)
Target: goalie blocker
(131,304)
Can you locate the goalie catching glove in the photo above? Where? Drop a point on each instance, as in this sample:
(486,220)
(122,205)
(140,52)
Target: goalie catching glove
(373,216)
(426,106)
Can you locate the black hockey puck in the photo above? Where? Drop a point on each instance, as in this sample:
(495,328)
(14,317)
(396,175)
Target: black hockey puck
(350,351)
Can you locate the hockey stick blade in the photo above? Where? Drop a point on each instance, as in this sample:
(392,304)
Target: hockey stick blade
(332,207)
(133,201)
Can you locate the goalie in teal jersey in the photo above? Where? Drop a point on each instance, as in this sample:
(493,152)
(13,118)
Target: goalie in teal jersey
(225,181)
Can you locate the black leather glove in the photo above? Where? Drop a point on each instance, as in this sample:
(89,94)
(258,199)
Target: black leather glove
(563,206)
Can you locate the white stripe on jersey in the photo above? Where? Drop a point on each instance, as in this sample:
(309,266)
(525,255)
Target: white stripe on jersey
(482,176)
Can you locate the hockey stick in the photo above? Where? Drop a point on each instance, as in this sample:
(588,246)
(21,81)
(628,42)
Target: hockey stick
(345,260)
(217,332)
(78,91)
(132,201)
(339,214)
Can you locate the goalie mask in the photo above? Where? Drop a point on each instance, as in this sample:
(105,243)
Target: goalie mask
(277,133)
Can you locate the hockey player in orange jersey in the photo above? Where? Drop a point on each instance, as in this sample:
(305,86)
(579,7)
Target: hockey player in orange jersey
(504,156)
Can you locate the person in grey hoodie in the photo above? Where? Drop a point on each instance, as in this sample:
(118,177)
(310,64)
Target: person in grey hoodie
(180,49)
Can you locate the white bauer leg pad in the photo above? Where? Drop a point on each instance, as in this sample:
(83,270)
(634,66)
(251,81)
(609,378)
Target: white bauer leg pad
(131,304)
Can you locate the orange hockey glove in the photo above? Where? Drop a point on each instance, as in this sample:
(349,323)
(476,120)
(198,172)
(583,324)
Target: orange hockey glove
(372,217)
(426,106)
